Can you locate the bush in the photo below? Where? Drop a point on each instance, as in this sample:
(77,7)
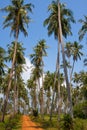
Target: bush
(80,110)
(12,122)
(2,126)
(67,122)
(35,113)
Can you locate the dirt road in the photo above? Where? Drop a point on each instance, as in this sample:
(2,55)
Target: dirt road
(27,124)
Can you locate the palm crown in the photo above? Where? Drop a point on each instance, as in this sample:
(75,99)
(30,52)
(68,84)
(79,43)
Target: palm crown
(17,16)
(52,20)
(83,29)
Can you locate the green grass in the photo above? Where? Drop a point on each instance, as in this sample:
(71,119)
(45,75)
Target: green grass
(78,124)
(46,124)
(2,126)
(11,123)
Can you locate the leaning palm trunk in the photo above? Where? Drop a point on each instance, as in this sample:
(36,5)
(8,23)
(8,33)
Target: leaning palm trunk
(71,73)
(10,79)
(65,69)
(14,99)
(35,98)
(48,104)
(42,99)
(42,96)
(15,93)
(67,83)
(54,88)
(59,98)
(17,99)
(38,98)
(57,71)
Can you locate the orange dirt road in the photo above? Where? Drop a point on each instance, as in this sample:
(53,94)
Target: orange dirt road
(27,124)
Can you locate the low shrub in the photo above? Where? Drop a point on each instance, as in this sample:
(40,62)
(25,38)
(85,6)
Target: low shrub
(12,122)
(66,122)
(35,113)
(80,110)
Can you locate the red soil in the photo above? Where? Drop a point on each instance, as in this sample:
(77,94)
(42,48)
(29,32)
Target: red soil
(27,124)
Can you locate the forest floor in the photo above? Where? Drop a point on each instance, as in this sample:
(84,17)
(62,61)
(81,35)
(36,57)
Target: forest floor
(27,124)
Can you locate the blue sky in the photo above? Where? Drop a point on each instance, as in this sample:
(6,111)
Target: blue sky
(36,31)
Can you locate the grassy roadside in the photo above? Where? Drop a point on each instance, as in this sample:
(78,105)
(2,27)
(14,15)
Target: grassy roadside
(78,124)
(46,124)
(11,123)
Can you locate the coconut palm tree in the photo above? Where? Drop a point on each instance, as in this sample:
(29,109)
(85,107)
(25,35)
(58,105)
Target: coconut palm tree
(83,82)
(18,67)
(31,84)
(22,95)
(37,60)
(68,52)
(41,50)
(76,51)
(59,21)
(17,18)
(48,86)
(36,72)
(20,91)
(64,61)
(83,30)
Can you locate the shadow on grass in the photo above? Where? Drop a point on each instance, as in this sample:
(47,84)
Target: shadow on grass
(46,123)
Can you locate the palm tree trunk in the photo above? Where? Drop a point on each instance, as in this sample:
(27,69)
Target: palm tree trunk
(17,99)
(42,98)
(59,98)
(18,102)
(35,99)
(15,91)
(14,99)
(71,73)
(51,111)
(39,101)
(48,104)
(9,84)
(65,69)
(10,78)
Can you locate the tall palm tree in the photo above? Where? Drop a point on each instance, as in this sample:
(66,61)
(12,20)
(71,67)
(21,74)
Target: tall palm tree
(74,50)
(37,58)
(68,52)
(83,82)
(37,64)
(36,72)
(48,83)
(76,54)
(31,84)
(52,21)
(59,21)
(83,30)
(20,90)
(64,61)
(41,50)
(22,95)
(18,67)
(17,18)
